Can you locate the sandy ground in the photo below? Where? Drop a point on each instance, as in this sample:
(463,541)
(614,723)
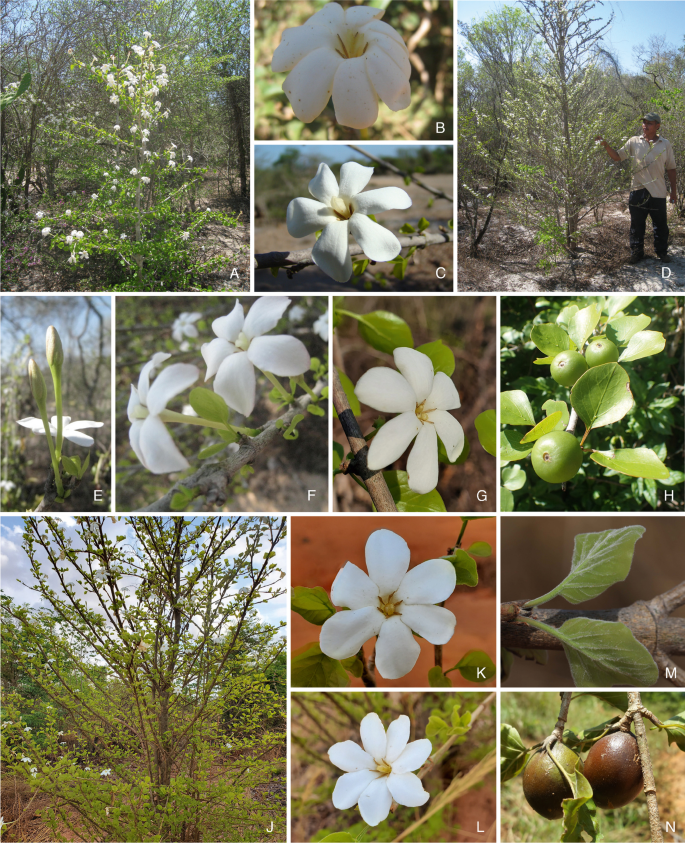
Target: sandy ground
(421,275)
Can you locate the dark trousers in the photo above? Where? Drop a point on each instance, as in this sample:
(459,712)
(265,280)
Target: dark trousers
(642,205)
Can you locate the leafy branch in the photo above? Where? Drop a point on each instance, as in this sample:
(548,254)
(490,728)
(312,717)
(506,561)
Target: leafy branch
(388,166)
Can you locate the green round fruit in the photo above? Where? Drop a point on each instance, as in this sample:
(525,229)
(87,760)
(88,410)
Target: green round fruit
(543,784)
(557,456)
(614,770)
(601,351)
(567,367)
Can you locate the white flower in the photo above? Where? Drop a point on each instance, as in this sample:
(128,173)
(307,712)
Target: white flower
(72,257)
(40,215)
(134,172)
(77,234)
(139,51)
(145,114)
(68,213)
(111,83)
(105,68)
(184,326)
(154,90)
(296,313)
(351,55)
(381,772)
(93,196)
(240,346)
(389,603)
(28,729)
(189,159)
(172,164)
(149,438)
(106,772)
(341,211)
(123,237)
(83,255)
(86,769)
(147,153)
(172,154)
(60,733)
(114,99)
(46,231)
(166,113)
(185,235)
(422,398)
(116,129)
(156,44)
(320,327)
(134,129)
(104,231)
(25,759)
(145,179)
(70,430)
(147,34)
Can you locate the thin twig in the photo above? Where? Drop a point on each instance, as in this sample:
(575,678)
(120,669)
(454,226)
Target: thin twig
(434,190)
(646,762)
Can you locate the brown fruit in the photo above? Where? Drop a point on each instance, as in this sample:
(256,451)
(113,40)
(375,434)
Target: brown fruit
(543,784)
(614,771)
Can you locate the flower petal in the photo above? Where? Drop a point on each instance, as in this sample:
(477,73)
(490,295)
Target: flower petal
(134,439)
(305,216)
(158,448)
(388,79)
(406,789)
(354,589)
(386,390)
(387,560)
(81,425)
(214,354)
(133,402)
(235,383)
(146,373)
(417,368)
(373,737)
(380,26)
(430,582)
(398,737)
(360,15)
(282,355)
(383,199)
(444,395)
(350,787)
(396,649)
(229,327)
(374,802)
(311,82)
(394,50)
(353,178)
(323,186)
(297,42)
(169,383)
(331,252)
(343,635)
(434,623)
(422,464)
(78,438)
(414,756)
(354,99)
(378,242)
(450,431)
(350,757)
(264,314)
(34,424)
(331,15)
(392,440)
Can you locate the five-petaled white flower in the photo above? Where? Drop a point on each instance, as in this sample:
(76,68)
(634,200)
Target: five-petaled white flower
(68,212)
(70,430)
(185,235)
(341,211)
(134,171)
(40,215)
(116,129)
(382,771)
(145,179)
(149,438)
(240,346)
(390,602)
(106,772)
(349,55)
(184,326)
(422,397)
(320,327)
(93,196)
(46,231)
(114,99)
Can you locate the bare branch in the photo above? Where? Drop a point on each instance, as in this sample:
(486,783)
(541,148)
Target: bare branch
(434,190)
(212,480)
(303,257)
(646,762)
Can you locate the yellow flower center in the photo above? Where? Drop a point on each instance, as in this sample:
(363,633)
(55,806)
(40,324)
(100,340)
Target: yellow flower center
(342,207)
(389,605)
(384,768)
(351,45)
(422,414)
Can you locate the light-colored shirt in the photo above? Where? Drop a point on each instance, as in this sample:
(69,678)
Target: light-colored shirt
(649,164)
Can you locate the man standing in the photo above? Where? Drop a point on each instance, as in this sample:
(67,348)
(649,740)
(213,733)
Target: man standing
(650,155)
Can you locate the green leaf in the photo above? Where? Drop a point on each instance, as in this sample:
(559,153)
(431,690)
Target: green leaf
(353,665)
(407,228)
(85,465)
(339,837)
(636,462)
(506,500)
(480,549)
(441,356)
(208,405)
(486,427)
(602,653)
(510,447)
(599,561)
(310,668)
(274,271)
(70,466)
(643,344)
(338,454)
(465,567)
(515,408)
(617,303)
(408,501)
(359,267)
(8,97)
(579,811)
(675,729)
(543,361)
(348,386)
(550,339)
(584,740)
(566,314)
(385,331)
(551,406)
(211,450)
(602,395)
(620,330)
(513,753)
(513,478)
(583,323)
(545,426)
(312,604)
(423,224)
(315,410)
(437,679)
(475,666)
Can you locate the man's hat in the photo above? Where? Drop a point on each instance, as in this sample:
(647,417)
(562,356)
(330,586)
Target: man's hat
(652,115)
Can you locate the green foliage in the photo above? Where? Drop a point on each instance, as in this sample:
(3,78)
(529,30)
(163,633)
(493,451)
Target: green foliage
(310,668)
(312,604)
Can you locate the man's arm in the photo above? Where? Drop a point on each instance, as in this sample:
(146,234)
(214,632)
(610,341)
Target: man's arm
(672,179)
(611,152)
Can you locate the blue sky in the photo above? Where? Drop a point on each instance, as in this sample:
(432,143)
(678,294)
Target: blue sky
(14,564)
(266,154)
(635,21)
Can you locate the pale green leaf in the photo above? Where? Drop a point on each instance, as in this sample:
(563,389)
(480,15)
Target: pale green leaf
(515,408)
(486,427)
(513,477)
(602,395)
(675,729)
(550,339)
(506,500)
(545,426)
(513,753)
(475,666)
(551,406)
(465,567)
(620,330)
(583,323)
(310,668)
(615,304)
(437,679)
(384,331)
(510,447)
(312,604)
(408,501)
(208,405)
(441,356)
(480,549)
(643,344)
(348,388)
(636,462)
